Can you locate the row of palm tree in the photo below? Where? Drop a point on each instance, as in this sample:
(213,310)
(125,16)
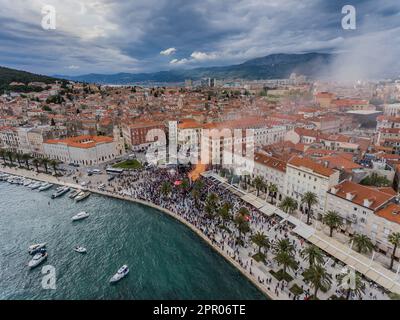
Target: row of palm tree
(269,188)
(361,242)
(11,156)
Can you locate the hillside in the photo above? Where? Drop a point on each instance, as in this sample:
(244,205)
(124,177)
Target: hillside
(8,76)
(268,67)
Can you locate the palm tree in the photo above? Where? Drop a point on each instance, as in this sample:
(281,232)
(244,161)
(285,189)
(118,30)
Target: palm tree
(284,245)
(26,158)
(260,240)
(45,162)
(242,225)
(10,156)
(363,243)
(313,254)
(212,199)
(394,239)
(196,195)
(318,277)
(310,199)
(3,154)
(210,211)
(18,157)
(352,282)
(272,189)
(286,259)
(166,188)
(224,212)
(36,163)
(198,185)
(243,211)
(54,164)
(185,185)
(333,221)
(258,183)
(288,205)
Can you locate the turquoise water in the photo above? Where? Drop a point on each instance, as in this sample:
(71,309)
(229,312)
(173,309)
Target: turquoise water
(166,259)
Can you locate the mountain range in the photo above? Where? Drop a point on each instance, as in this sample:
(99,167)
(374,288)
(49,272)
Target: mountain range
(274,66)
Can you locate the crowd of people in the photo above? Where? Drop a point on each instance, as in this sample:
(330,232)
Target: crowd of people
(148,184)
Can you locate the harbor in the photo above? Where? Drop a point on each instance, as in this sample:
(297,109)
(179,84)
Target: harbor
(166,260)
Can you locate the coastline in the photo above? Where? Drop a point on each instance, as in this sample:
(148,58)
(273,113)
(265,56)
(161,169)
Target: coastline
(51,179)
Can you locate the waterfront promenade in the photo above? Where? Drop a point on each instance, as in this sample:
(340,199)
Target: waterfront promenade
(258,273)
(67,182)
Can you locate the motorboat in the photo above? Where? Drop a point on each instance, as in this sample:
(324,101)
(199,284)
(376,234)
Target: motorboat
(80,216)
(74,193)
(45,186)
(27,182)
(35,185)
(82,196)
(37,259)
(59,192)
(121,273)
(80,249)
(36,247)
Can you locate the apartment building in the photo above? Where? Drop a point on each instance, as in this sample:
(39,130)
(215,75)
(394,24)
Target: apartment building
(366,210)
(83,150)
(304,175)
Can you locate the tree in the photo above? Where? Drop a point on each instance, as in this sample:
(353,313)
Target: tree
(18,157)
(352,283)
(284,245)
(26,157)
(318,278)
(54,164)
(210,211)
(310,199)
(362,243)
(36,163)
(272,189)
(166,188)
(288,205)
(45,162)
(313,254)
(198,185)
(243,211)
(333,221)
(212,199)
(185,185)
(10,156)
(286,259)
(224,212)
(394,239)
(260,240)
(242,225)
(3,154)
(258,183)
(196,195)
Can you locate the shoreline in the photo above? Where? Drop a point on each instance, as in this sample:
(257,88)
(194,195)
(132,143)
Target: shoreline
(51,179)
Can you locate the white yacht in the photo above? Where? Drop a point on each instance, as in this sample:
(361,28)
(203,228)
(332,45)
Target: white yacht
(27,182)
(80,216)
(45,186)
(60,191)
(36,247)
(35,185)
(74,193)
(82,196)
(80,249)
(121,273)
(37,259)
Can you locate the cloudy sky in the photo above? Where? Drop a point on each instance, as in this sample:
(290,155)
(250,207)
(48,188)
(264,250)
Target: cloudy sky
(108,36)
